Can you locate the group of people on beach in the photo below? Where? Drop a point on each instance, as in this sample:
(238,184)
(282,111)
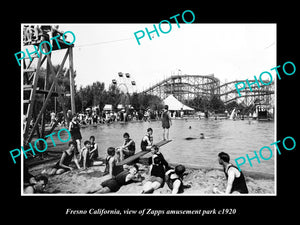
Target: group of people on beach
(117,174)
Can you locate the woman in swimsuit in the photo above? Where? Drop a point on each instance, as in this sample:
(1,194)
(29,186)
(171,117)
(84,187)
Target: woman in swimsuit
(63,165)
(74,129)
(157,173)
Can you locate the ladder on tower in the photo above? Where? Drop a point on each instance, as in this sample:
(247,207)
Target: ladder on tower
(31,90)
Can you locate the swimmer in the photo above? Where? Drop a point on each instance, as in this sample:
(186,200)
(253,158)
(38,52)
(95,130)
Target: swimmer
(201,137)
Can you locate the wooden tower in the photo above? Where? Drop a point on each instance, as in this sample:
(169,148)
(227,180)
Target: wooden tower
(30,85)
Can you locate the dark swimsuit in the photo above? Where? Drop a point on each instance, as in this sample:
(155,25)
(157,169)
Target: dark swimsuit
(116,183)
(171,181)
(165,120)
(75,131)
(144,144)
(131,149)
(239,183)
(67,160)
(116,169)
(94,154)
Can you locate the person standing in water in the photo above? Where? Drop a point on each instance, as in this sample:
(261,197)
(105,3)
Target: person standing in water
(166,122)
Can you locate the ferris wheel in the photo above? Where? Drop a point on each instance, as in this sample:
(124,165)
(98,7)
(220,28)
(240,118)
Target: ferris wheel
(125,83)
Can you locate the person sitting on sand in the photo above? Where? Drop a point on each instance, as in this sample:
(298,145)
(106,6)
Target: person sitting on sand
(157,177)
(236,183)
(147,141)
(38,187)
(85,157)
(63,164)
(111,160)
(128,148)
(123,178)
(158,166)
(156,153)
(174,179)
(94,149)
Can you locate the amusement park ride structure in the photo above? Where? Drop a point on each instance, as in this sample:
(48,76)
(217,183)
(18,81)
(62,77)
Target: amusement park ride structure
(187,87)
(183,87)
(127,86)
(124,81)
(31,73)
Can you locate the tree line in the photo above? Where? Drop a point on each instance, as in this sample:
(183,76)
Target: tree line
(97,94)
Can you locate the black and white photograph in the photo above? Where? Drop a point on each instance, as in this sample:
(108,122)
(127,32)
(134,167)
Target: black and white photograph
(147,112)
(185,112)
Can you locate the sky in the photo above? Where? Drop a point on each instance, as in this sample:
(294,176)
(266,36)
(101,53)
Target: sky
(229,51)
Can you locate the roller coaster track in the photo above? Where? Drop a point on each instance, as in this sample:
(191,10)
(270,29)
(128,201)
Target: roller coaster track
(187,87)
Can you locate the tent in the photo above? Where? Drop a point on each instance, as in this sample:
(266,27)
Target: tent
(107,107)
(174,104)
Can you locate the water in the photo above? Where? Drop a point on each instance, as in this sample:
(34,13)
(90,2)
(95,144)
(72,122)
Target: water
(237,138)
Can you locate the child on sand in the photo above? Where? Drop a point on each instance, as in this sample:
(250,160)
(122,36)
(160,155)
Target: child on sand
(85,156)
(94,148)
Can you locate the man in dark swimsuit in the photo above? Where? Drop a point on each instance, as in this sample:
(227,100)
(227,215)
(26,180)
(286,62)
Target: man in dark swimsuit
(111,160)
(166,122)
(236,183)
(128,148)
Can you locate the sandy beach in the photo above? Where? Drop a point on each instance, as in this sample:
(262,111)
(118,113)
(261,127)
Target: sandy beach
(202,181)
